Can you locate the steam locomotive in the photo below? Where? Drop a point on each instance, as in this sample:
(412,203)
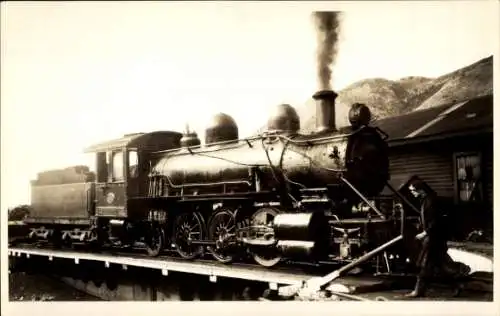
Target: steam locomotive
(277,195)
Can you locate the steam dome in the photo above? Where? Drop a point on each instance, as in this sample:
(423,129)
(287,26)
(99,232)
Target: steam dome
(221,127)
(283,118)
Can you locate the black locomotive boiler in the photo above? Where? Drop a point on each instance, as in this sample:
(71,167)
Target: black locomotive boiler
(236,188)
(278,194)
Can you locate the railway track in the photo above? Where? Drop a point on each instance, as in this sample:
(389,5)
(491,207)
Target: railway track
(165,263)
(288,273)
(138,252)
(348,288)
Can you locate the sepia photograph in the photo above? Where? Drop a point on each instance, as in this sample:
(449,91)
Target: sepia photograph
(277,154)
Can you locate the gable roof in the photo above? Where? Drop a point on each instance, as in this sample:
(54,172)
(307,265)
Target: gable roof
(470,116)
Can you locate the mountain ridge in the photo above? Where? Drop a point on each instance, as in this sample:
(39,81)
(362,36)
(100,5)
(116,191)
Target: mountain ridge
(387,98)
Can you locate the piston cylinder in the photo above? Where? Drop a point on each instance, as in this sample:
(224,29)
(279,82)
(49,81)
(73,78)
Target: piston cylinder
(301,226)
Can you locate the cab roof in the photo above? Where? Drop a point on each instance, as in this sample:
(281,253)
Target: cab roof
(148,141)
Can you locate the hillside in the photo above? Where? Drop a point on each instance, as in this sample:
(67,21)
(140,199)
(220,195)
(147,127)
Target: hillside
(472,81)
(388,98)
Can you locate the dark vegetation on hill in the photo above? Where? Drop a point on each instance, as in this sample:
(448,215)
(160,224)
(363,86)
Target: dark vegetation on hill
(18,213)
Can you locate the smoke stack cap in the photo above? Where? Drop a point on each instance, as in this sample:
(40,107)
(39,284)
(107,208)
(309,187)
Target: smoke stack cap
(359,115)
(283,118)
(221,128)
(324,94)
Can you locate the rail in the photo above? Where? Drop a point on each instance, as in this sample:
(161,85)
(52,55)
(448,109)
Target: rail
(166,264)
(16,223)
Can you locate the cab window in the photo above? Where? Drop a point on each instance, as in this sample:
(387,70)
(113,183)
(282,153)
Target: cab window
(102,167)
(118,166)
(133,163)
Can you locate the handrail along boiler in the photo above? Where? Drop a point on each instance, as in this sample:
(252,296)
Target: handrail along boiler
(281,194)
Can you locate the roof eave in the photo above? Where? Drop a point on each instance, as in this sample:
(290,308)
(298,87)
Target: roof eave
(120,143)
(102,148)
(428,138)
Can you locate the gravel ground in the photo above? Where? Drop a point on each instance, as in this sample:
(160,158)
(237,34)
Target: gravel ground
(432,294)
(36,287)
(479,248)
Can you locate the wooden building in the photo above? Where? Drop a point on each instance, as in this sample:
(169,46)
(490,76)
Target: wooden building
(451,148)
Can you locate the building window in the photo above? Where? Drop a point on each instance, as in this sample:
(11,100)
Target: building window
(468,177)
(133,163)
(118,166)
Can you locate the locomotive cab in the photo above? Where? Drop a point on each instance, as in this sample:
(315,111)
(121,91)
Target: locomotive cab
(122,167)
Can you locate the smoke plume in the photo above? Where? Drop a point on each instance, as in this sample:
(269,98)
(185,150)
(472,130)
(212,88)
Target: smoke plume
(327,29)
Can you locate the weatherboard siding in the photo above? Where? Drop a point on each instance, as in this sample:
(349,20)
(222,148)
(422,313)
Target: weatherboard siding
(433,162)
(433,167)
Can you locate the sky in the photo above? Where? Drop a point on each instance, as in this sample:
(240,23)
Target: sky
(77,73)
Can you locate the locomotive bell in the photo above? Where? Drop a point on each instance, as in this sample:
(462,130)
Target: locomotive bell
(284,118)
(221,128)
(190,139)
(325,110)
(359,115)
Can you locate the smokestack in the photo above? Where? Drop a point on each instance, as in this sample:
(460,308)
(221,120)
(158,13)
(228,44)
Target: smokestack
(328,31)
(325,111)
